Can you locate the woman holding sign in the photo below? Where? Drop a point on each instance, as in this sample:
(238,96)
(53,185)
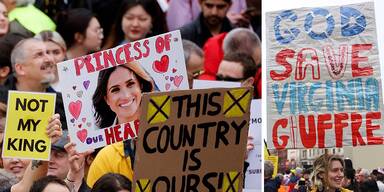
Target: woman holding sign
(328,174)
(117,100)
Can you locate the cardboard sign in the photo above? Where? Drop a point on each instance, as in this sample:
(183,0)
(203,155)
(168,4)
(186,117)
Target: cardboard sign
(324,86)
(192,140)
(253,175)
(161,56)
(26,124)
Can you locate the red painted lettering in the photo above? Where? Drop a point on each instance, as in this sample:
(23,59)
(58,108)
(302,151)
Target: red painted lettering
(283,123)
(339,126)
(356,70)
(117,131)
(371,139)
(322,125)
(356,121)
(147,50)
(118,56)
(136,47)
(127,52)
(308,139)
(281,58)
(98,63)
(109,58)
(78,62)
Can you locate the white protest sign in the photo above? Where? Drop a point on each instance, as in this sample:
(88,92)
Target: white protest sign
(160,56)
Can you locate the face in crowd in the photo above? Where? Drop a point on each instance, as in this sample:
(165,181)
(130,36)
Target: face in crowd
(37,65)
(93,36)
(136,23)
(214,11)
(58,164)
(124,94)
(16,166)
(230,71)
(57,53)
(4,22)
(335,174)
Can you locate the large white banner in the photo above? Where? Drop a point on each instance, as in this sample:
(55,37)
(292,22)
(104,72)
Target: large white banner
(323,77)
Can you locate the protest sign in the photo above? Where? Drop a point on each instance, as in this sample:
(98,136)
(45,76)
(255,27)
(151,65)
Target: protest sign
(253,173)
(205,84)
(161,57)
(26,124)
(275,161)
(323,77)
(192,140)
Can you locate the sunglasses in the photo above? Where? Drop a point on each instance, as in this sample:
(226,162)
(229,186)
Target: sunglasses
(220,77)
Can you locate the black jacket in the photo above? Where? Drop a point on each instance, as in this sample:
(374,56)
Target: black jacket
(198,32)
(10,84)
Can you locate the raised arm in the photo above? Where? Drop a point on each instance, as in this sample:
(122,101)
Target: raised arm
(38,168)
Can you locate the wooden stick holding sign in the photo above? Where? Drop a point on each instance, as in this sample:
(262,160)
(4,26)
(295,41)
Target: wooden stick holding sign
(25,130)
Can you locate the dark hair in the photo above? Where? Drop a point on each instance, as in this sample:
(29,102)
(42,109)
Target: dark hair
(103,113)
(227,1)
(249,66)
(41,184)
(72,22)
(159,24)
(369,186)
(112,182)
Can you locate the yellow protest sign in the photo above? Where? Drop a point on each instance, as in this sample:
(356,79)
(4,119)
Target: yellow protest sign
(25,130)
(275,161)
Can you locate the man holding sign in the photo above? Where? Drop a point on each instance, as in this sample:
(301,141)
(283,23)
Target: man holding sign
(34,72)
(29,130)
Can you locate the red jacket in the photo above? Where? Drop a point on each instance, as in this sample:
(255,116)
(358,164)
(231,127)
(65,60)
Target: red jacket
(213,54)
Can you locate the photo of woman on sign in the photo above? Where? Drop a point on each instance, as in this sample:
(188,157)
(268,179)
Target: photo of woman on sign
(118,94)
(117,100)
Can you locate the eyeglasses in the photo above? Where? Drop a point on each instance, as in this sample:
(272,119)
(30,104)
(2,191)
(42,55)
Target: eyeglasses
(220,77)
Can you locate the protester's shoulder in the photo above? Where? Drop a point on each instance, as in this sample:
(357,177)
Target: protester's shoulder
(189,29)
(4,93)
(345,190)
(6,190)
(111,151)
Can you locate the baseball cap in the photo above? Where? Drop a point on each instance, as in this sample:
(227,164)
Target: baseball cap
(59,145)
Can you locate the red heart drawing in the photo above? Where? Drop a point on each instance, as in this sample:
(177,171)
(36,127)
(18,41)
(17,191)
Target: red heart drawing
(162,65)
(75,108)
(174,70)
(178,80)
(167,86)
(82,135)
(79,125)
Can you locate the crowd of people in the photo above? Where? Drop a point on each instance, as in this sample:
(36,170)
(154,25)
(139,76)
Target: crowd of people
(221,40)
(329,173)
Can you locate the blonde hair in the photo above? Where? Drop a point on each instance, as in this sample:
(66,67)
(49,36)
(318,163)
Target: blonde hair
(52,36)
(321,166)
